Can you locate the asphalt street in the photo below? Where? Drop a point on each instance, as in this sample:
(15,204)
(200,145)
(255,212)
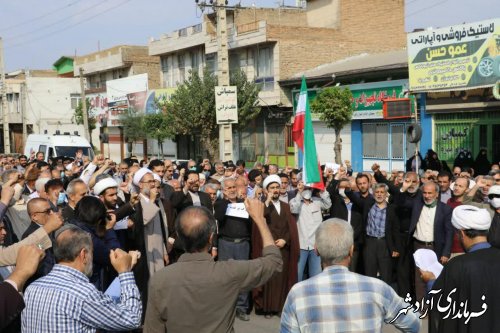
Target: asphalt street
(259,324)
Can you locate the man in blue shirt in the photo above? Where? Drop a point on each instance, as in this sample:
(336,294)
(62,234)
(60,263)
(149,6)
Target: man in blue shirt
(338,300)
(66,301)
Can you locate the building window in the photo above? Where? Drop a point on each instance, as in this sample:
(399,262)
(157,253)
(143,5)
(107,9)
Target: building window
(264,67)
(182,68)
(375,140)
(75,100)
(234,63)
(211,62)
(195,61)
(166,68)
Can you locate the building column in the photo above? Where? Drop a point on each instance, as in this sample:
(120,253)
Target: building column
(426,125)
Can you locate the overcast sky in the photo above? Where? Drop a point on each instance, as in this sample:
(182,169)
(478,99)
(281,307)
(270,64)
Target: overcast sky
(37,32)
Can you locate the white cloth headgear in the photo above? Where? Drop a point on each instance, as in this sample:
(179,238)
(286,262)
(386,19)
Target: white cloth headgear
(271,179)
(467,217)
(139,174)
(104,184)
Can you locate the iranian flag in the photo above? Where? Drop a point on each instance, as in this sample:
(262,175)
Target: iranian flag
(303,136)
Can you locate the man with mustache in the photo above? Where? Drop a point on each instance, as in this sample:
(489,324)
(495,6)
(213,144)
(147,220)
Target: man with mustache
(65,300)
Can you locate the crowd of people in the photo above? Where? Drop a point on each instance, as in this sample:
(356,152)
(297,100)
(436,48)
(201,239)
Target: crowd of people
(195,245)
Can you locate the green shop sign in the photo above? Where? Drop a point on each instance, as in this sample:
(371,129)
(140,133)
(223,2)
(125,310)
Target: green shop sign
(367,97)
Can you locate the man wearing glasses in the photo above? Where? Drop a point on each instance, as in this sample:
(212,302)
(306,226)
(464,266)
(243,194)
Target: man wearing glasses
(494,233)
(40,213)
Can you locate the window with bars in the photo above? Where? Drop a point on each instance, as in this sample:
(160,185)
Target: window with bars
(264,67)
(211,62)
(181,65)
(375,140)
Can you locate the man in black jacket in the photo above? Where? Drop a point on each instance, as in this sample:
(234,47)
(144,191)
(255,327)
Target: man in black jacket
(342,208)
(430,225)
(234,235)
(381,229)
(41,213)
(404,265)
(190,194)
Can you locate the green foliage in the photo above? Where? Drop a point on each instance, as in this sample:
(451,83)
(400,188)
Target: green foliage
(157,126)
(248,97)
(79,115)
(191,109)
(133,125)
(334,105)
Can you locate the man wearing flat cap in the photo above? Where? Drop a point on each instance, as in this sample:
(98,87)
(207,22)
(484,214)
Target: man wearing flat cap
(465,295)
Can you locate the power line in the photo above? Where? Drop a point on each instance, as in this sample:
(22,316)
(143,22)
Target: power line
(56,11)
(68,18)
(67,27)
(426,8)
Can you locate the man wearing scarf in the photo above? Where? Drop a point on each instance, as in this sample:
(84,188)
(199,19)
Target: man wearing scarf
(430,226)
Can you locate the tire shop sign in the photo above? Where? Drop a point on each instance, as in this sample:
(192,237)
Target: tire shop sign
(455,58)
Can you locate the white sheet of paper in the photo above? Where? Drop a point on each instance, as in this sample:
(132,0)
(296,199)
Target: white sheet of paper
(237,210)
(122,224)
(426,260)
(334,166)
(114,289)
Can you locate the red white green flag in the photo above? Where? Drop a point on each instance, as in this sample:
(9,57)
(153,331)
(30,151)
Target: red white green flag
(303,136)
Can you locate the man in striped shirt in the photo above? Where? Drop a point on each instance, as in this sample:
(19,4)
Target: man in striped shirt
(338,300)
(65,300)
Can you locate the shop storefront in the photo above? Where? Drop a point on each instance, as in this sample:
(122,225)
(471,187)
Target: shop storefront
(457,67)
(373,138)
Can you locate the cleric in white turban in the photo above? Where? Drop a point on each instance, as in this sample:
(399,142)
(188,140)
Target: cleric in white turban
(139,174)
(467,217)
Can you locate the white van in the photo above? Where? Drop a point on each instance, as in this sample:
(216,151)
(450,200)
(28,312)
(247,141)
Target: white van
(57,145)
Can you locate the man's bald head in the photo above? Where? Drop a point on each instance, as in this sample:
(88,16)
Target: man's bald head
(195,226)
(37,205)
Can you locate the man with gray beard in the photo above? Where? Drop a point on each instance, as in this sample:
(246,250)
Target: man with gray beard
(65,300)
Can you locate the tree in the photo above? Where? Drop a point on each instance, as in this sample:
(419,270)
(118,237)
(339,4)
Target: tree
(192,108)
(133,127)
(157,126)
(78,115)
(334,105)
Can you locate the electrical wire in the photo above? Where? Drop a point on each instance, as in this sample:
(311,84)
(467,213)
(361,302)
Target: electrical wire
(37,38)
(426,8)
(68,18)
(56,11)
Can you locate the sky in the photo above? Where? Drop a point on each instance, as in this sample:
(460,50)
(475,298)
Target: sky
(36,33)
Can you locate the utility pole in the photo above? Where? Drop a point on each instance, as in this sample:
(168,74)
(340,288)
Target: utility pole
(225,130)
(24,91)
(6,133)
(84,107)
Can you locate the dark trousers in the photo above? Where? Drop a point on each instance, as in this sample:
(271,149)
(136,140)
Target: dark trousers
(404,277)
(377,259)
(420,286)
(237,251)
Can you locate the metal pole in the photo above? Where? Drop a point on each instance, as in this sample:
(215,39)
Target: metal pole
(6,134)
(84,107)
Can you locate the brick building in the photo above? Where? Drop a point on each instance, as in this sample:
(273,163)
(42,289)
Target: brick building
(118,62)
(272,45)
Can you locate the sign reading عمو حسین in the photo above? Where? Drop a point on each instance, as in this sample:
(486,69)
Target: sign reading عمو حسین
(226,104)
(453,58)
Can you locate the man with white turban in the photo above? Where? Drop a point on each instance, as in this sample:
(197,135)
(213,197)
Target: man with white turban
(467,289)
(150,230)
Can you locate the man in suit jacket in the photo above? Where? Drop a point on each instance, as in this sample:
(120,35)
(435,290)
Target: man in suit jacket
(190,194)
(40,213)
(430,225)
(342,209)
(380,228)
(404,269)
